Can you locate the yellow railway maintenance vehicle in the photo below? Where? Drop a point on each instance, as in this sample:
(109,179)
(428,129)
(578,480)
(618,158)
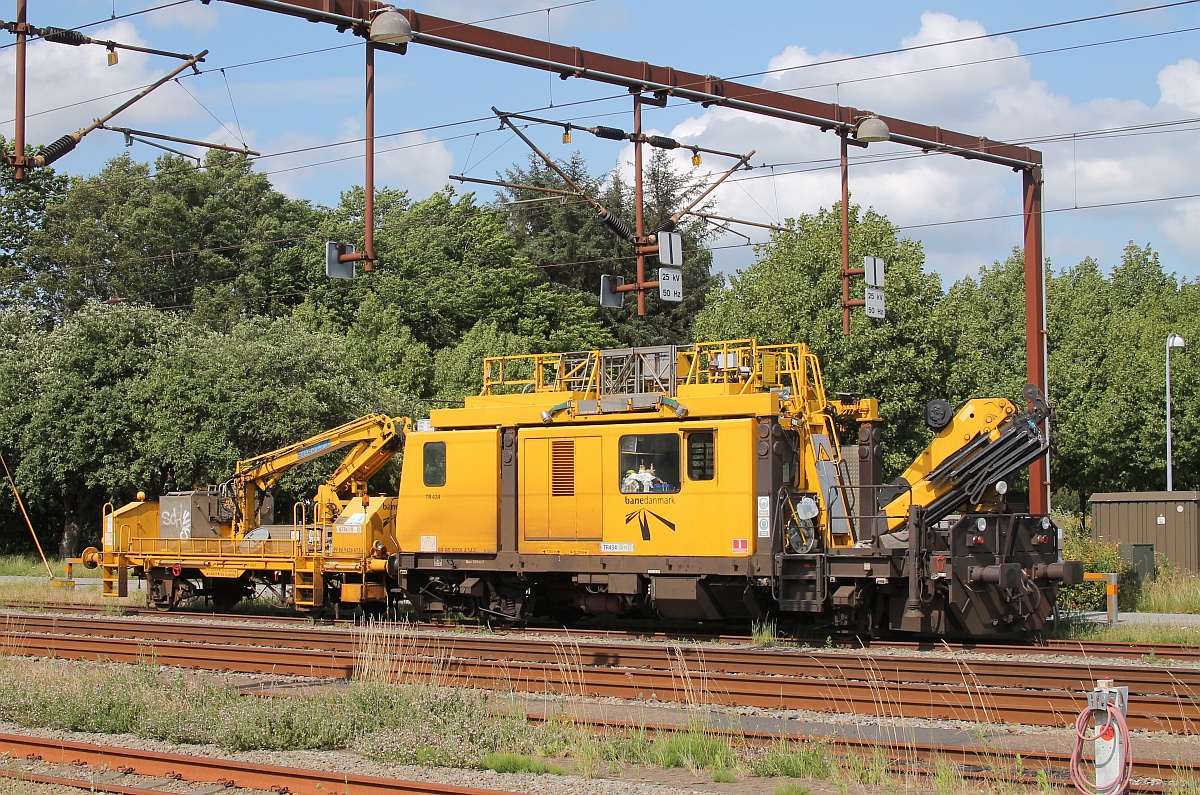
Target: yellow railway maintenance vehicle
(701,482)
(216,542)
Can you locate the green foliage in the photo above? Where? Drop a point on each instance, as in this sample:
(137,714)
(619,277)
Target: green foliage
(74,422)
(1097,557)
(1171,591)
(764,632)
(517,763)
(458,371)
(445,265)
(568,239)
(275,383)
(983,323)
(22,217)
(790,788)
(694,749)
(790,759)
(27,566)
(155,236)
(1107,351)
(793,294)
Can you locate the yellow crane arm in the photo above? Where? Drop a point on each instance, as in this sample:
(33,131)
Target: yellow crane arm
(986,441)
(367,458)
(255,476)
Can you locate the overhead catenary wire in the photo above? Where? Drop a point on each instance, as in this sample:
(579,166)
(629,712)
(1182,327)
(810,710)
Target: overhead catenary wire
(545,266)
(890,74)
(965,39)
(350,142)
(864,161)
(114,18)
(916,155)
(617,258)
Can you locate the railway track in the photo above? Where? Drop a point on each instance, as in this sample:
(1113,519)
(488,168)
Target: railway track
(1151,776)
(977,690)
(796,663)
(214,770)
(985,763)
(1077,648)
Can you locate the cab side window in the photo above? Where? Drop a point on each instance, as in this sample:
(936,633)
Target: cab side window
(649,463)
(701,455)
(435,463)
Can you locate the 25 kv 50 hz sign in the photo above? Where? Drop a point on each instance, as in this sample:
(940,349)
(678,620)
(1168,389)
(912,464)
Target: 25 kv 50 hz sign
(670,284)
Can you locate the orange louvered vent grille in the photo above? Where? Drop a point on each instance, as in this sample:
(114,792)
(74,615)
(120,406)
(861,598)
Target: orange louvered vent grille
(562,468)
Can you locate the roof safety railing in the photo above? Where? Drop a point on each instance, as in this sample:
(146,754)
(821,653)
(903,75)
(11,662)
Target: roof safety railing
(792,369)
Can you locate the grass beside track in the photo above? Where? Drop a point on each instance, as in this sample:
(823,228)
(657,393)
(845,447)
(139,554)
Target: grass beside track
(1128,633)
(25,566)
(422,722)
(1171,591)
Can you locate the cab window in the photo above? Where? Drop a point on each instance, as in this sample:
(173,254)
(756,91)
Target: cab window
(649,463)
(435,464)
(701,455)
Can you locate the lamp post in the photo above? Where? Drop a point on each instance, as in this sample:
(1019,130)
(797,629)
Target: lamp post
(1173,341)
(867,130)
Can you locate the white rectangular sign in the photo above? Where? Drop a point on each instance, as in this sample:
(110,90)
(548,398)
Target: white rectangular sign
(874,302)
(873,271)
(670,248)
(608,294)
(670,284)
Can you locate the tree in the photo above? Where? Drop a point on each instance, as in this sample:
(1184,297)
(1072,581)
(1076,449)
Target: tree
(983,327)
(219,398)
(22,216)
(1107,375)
(793,293)
(458,371)
(78,433)
(445,264)
(21,347)
(168,237)
(567,238)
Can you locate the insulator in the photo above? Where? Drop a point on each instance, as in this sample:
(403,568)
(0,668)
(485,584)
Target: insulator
(54,151)
(617,225)
(64,36)
(667,225)
(611,133)
(662,142)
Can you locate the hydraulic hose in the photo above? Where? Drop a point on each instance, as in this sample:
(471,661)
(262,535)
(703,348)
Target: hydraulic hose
(1115,720)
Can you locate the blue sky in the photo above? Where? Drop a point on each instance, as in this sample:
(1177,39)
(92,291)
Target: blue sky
(1002,86)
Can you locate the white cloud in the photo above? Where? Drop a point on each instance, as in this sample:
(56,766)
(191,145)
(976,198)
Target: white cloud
(996,95)
(69,87)
(1179,84)
(1182,226)
(412,162)
(192,17)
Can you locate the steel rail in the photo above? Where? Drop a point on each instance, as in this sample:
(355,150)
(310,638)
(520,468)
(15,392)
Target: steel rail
(1080,648)
(966,701)
(76,783)
(796,663)
(301,781)
(983,761)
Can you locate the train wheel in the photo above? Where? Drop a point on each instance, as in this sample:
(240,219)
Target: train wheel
(225,592)
(159,593)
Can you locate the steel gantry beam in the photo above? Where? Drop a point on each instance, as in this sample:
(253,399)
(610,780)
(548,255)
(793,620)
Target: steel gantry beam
(640,76)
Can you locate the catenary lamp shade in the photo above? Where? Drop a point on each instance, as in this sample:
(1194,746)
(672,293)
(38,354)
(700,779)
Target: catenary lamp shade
(872,130)
(391,27)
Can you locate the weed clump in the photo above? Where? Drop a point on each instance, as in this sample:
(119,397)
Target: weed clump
(516,763)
